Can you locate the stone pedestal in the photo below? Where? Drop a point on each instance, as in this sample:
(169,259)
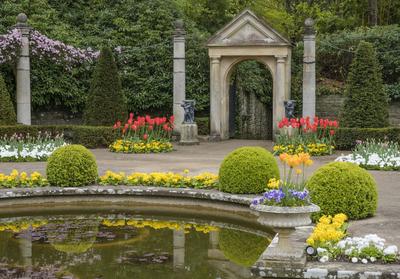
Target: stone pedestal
(289,131)
(189,134)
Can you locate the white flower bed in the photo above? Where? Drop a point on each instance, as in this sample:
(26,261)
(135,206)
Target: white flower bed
(374,160)
(367,249)
(28,151)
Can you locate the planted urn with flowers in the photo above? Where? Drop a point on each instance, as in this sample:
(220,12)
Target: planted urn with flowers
(286,205)
(143,134)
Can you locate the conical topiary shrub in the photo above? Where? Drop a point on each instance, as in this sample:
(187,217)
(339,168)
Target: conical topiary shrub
(105,103)
(366,104)
(7,112)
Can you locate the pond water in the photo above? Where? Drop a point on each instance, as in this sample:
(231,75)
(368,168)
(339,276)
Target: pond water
(119,244)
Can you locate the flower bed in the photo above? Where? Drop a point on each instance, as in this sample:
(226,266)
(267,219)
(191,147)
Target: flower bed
(315,137)
(163,179)
(130,146)
(143,135)
(374,155)
(18,148)
(16,179)
(331,244)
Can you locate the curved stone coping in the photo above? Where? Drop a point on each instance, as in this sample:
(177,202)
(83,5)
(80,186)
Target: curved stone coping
(210,195)
(339,270)
(281,209)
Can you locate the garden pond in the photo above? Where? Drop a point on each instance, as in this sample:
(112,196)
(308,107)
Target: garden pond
(116,243)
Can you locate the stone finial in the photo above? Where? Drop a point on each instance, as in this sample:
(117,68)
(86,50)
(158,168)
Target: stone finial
(22,20)
(309,26)
(179,27)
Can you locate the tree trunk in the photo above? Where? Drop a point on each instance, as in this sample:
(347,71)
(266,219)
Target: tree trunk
(372,12)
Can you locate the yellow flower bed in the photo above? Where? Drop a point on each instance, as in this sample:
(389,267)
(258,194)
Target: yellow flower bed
(127,146)
(16,179)
(314,149)
(329,230)
(155,224)
(163,179)
(19,226)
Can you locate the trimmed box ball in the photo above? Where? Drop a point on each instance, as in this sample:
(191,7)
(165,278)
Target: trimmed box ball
(247,170)
(71,166)
(342,187)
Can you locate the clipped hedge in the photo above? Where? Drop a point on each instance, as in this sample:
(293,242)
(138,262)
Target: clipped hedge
(341,187)
(71,166)
(247,170)
(346,137)
(88,136)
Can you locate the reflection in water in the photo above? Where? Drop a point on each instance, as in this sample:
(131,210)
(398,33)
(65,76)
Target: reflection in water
(125,246)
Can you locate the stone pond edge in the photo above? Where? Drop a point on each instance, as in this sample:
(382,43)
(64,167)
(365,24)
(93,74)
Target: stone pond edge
(311,270)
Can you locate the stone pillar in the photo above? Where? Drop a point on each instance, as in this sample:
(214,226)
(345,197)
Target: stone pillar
(23,78)
(215,99)
(179,74)
(25,244)
(179,248)
(280,81)
(309,69)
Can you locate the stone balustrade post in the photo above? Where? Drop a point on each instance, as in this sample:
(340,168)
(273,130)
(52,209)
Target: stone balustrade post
(179,74)
(23,78)
(309,83)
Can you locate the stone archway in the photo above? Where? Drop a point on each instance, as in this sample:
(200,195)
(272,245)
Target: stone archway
(246,37)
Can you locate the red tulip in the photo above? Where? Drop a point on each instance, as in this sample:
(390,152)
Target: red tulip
(332,132)
(171,119)
(134,127)
(150,128)
(131,115)
(145,136)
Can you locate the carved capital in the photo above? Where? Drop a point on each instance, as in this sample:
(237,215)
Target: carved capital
(280,58)
(215,59)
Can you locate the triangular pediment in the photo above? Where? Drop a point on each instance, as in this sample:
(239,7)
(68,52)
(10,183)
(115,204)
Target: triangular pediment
(247,29)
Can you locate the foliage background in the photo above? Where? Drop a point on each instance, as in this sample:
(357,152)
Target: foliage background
(143,28)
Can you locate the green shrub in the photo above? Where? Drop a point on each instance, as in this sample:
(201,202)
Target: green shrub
(366,103)
(340,187)
(346,138)
(242,248)
(203,124)
(106,103)
(71,166)
(247,170)
(7,113)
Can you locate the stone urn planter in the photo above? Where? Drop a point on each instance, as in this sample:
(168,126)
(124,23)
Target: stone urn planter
(289,244)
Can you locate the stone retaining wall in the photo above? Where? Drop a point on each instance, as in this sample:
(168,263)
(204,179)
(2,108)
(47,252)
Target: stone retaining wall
(328,106)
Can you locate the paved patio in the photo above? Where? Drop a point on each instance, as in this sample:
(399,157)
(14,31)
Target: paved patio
(208,156)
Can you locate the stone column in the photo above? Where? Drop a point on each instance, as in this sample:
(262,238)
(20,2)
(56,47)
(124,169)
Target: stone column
(25,244)
(179,249)
(309,69)
(179,74)
(215,99)
(23,78)
(280,81)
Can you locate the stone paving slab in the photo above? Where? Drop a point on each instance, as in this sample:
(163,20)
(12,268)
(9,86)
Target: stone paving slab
(207,157)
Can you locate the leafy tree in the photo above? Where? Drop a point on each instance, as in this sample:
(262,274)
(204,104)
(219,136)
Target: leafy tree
(105,103)
(366,104)
(7,113)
